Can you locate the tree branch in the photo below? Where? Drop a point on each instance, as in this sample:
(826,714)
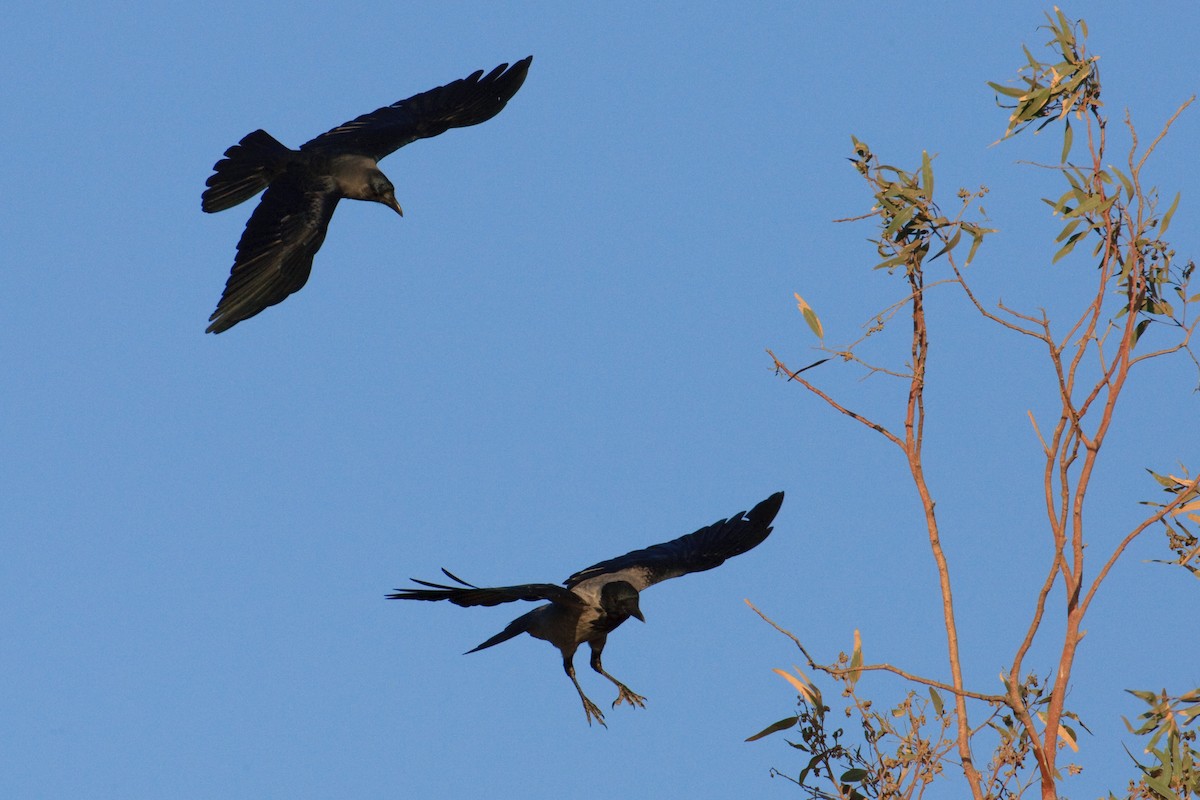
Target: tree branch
(841,672)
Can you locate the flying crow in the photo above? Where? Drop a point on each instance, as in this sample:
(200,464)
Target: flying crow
(275,253)
(598,599)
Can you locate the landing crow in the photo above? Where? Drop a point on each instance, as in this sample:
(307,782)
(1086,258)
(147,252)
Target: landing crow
(598,599)
(275,253)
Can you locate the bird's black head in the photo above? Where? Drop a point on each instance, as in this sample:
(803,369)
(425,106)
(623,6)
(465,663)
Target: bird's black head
(380,190)
(620,599)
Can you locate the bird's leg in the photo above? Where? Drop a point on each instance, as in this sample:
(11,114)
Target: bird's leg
(625,693)
(589,708)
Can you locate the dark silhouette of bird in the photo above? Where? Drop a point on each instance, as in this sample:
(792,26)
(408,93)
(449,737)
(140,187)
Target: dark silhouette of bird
(275,253)
(598,599)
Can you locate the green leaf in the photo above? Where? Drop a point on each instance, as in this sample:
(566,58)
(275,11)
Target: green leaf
(1061,206)
(1007,91)
(1170,483)
(856,660)
(1140,329)
(1071,737)
(812,762)
(1068,137)
(1068,230)
(1064,24)
(1160,307)
(1033,62)
(1128,184)
(1090,204)
(977,237)
(810,316)
(927,175)
(782,725)
(903,216)
(937,700)
(1084,72)
(1159,785)
(814,323)
(1166,220)
(853,775)
(950,245)
(1032,106)
(1068,247)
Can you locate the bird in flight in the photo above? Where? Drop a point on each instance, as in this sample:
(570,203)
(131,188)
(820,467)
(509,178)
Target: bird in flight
(598,599)
(275,253)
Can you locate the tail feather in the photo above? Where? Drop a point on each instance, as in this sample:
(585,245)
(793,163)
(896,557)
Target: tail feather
(245,171)
(515,628)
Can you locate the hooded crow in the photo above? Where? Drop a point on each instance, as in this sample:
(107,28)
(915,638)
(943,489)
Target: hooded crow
(598,599)
(275,253)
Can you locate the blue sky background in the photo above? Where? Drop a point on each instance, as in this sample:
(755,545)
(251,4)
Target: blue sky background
(557,356)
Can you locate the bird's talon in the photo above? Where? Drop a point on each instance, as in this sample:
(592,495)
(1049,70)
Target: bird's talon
(628,696)
(592,710)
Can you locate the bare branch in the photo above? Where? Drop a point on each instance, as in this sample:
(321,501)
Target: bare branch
(1166,127)
(989,315)
(1036,430)
(1158,516)
(841,672)
(1182,345)
(875,426)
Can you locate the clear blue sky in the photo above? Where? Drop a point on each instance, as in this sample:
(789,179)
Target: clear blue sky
(556,356)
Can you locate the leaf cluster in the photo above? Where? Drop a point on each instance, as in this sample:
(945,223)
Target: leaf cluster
(1053,90)
(1175,517)
(892,755)
(911,222)
(1169,724)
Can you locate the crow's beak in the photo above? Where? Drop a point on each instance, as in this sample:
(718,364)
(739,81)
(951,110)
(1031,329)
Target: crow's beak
(391,202)
(637,612)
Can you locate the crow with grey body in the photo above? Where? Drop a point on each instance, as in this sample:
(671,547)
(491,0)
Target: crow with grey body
(593,602)
(275,254)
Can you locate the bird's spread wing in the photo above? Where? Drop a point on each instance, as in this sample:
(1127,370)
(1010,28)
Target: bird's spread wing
(696,552)
(468,101)
(275,253)
(468,594)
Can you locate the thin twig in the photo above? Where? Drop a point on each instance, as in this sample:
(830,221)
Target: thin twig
(875,426)
(1179,500)
(842,672)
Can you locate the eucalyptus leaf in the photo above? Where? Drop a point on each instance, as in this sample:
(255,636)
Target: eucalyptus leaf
(776,727)
(1166,220)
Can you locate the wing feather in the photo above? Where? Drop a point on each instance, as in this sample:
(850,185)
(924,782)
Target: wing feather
(468,594)
(467,101)
(705,549)
(275,254)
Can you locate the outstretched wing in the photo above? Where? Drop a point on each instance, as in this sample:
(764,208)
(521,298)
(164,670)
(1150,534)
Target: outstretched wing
(275,254)
(467,594)
(468,101)
(696,552)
